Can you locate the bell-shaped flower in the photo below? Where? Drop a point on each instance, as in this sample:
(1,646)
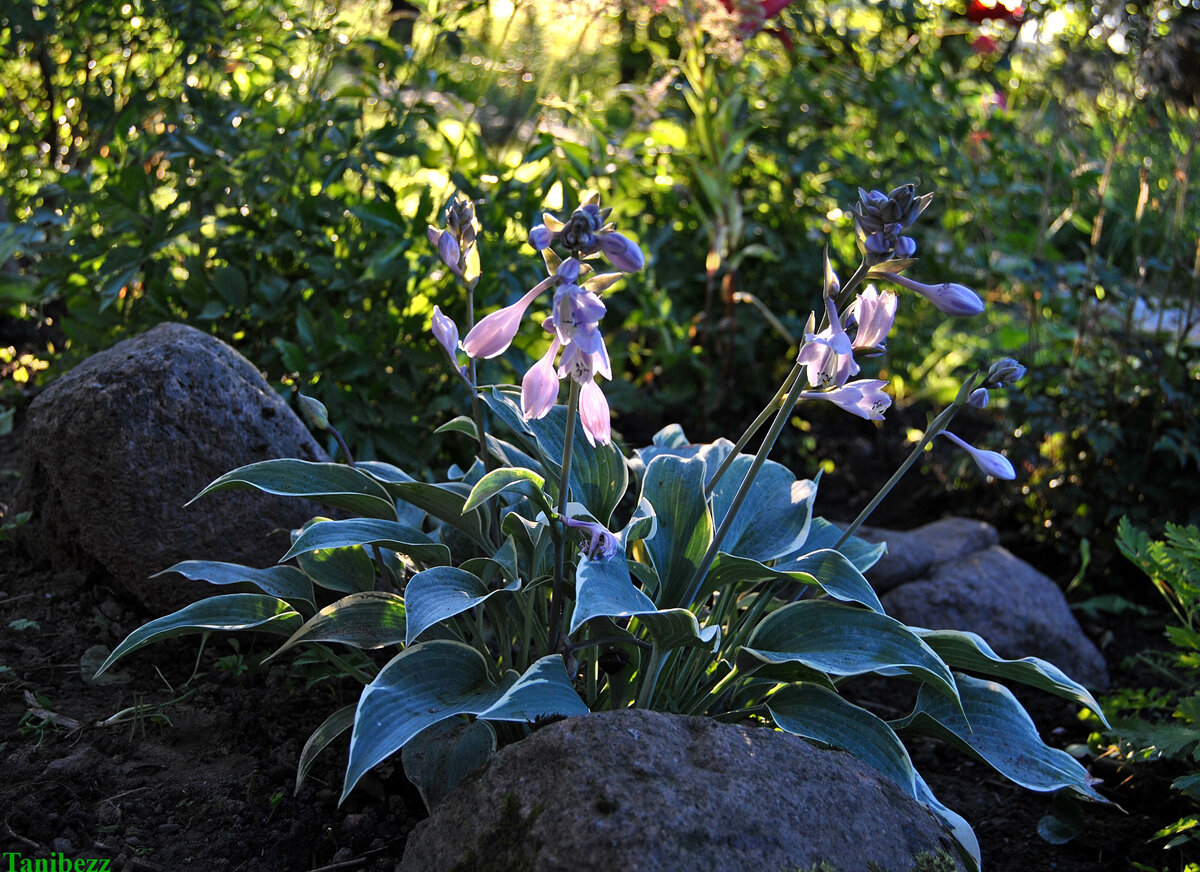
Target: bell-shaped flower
(445,331)
(601,544)
(949,297)
(594,414)
(828,355)
(539,387)
(993,463)
(864,397)
(575,308)
(493,334)
(873,313)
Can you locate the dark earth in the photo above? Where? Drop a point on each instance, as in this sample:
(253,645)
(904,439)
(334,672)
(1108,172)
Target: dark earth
(188,761)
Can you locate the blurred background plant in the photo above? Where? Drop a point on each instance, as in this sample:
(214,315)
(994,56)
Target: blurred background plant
(266,171)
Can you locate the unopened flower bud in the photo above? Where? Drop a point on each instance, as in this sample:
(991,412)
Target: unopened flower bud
(1003,373)
(314,412)
(992,463)
(622,252)
(540,237)
(978,398)
(905,247)
(949,297)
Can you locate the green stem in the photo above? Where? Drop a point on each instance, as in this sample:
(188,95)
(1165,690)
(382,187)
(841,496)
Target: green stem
(649,678)
(940,423)
(743,491)
(345,665)
(852,284)
(558,592)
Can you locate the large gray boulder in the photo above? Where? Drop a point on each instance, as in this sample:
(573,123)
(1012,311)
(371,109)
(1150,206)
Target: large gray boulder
(1018,610)
(118,445)
(912,553)
(642,791)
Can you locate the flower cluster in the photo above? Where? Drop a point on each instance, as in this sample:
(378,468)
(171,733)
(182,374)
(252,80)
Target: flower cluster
(880,217)
(574,321)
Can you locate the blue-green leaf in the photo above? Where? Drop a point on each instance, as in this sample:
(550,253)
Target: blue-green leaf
(333,484)
(774,519)
(368,619)
(994,727)
(442,501)
(440,756)
(828,570)
(839,639)
(599,475)
(370,531)
(436,680)
(821,715)
(436,594)
(286,582)
(823,534)
(332,727)
(674,486)
(544,690)
(524,481)
(235,611)
(963,650)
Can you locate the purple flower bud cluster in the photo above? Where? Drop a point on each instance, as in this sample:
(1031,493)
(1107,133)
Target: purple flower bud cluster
(586,233)
(881,217)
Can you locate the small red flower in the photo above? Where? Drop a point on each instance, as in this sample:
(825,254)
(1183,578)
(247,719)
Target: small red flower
(984,45)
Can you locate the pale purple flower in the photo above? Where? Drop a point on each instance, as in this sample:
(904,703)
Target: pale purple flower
(539,387)
(594,414)
(949,297)
(621,252)
(575,310)
(445,331)
(493,334)
(978,398)
(864,398)
(828,355)
(874,313)
(601,544)
(993,463)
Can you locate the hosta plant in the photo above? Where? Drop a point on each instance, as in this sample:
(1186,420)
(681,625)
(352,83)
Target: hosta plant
(556,575)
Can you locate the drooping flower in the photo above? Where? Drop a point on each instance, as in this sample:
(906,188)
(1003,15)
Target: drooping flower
(494,333)
(949,297)
(864,397)
(873,313)
(992,463)
(594,413)
(539,387)
(601,544)
(445,331)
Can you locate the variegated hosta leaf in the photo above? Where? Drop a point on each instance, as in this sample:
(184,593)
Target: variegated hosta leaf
(333,484)
(440,756)
(674,487)
(604,589)
(368,619)
(967,651)
(598,476)
(830,571)
(332,727)
(821,715)
(235,611)
(369,531)
(997,730)
(839,639)
(436,680)
(822,534)
(440,593)
(441,501)
(774,519)
(526,482)
(286,582)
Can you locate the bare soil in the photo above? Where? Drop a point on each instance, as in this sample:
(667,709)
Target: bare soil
(203,774)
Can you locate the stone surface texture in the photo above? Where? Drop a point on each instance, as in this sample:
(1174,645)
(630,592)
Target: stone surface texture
(1018,610)
(118,445)
(642,791)
(911,554)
